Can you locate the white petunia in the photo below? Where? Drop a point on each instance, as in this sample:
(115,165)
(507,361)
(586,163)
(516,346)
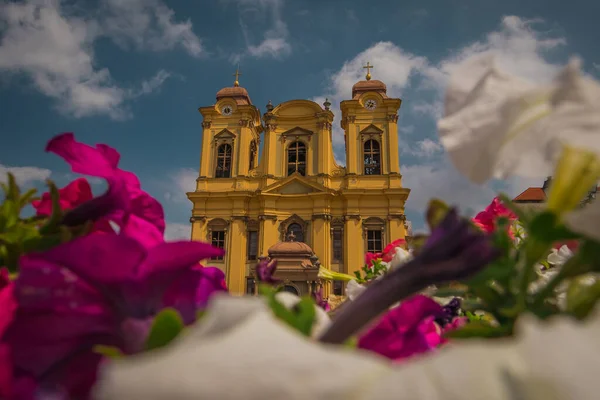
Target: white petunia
(322,320)
(560,256)
(400,258)
(497,125)
(354,289)
(240,351)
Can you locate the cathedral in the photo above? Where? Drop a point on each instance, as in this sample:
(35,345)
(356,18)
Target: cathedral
(294,203)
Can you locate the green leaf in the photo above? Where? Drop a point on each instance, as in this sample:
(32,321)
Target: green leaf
(10,212)
(450,292)
(27,198)
(436,212)
(480,328)
(581,297)
(53,222)
(305,315)
(351,343)
(108,351)
(167,325)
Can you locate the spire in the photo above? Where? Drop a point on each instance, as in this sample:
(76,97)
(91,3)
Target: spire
(237,74)
(368,68)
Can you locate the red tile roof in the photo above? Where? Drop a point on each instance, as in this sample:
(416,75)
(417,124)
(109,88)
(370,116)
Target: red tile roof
(532,194)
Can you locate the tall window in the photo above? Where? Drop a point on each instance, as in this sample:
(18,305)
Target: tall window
(218,240)
(338,288)
(250,285)
(252,155)
(223,161)
(296,229)
(374,241)
(296,155)
(372,155)
(338,236)
(252,245)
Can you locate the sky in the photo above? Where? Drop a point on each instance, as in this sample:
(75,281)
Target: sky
(132,73)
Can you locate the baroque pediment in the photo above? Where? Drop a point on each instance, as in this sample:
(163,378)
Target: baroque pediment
(371,130)
(225,134)
(295,184)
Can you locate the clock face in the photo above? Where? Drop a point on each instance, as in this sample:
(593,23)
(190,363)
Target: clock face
(227,110)
(370,104)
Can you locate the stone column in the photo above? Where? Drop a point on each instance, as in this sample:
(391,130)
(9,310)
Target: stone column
(236,256)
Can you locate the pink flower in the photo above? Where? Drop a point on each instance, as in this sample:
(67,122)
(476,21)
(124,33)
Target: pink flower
(8,306)
(134,210)
(390,250)
(97,289)
(405,330)
(486,219)
(371,257)
(386,255)
(71,196)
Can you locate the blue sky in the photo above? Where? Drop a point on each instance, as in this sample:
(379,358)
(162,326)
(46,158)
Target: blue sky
(131,73)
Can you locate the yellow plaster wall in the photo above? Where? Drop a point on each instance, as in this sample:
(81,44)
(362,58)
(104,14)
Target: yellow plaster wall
(266,195)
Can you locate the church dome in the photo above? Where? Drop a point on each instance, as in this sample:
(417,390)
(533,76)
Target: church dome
(290,249)
(369,86)
(238,93)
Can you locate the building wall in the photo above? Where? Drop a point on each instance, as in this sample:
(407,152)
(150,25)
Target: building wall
(326,200)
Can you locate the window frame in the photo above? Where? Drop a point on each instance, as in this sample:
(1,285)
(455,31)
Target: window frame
(298,144)
(372,152)
(218,158)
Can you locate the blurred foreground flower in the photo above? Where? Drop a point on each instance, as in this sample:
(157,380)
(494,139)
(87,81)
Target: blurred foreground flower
(97,290)
(239,336)
(496,125)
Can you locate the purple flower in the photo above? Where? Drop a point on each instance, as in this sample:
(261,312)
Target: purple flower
(448,312)
(319,300)
(96,290)
(455,250)
(265,270)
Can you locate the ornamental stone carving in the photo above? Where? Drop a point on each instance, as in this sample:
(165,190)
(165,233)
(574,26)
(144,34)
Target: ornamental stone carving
(206,124)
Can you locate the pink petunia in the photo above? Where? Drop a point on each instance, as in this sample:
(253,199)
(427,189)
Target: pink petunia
(98,290)
(125,202)
(406,330)
(71,196)
(486,219)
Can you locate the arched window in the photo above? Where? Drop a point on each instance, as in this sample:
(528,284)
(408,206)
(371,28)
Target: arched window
(223,161)
(252,155)
(372,156)
(296,155)
(297,230)
(291,289)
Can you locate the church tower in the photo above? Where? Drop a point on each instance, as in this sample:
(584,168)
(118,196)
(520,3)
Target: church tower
(370,122)
(230,134)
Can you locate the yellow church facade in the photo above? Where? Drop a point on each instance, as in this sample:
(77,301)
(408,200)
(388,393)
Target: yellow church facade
(246,204)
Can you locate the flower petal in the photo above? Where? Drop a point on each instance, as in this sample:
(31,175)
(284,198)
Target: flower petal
(214,348)
(75,193)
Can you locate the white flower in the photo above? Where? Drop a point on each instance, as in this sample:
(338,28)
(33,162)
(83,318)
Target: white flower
(354,289)
(400,258)
(497,125)
(322,320)
(560,256)
(239,351)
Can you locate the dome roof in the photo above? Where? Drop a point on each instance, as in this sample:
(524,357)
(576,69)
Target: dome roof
(236,92)
(293,249)
(369,86)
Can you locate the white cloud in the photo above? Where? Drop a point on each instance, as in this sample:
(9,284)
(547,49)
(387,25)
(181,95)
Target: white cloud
(597,66)
(519,49)
(180,182)
(24,175)
(274,42)
(175,231)
(53,45)
(392,65)
(147,25)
